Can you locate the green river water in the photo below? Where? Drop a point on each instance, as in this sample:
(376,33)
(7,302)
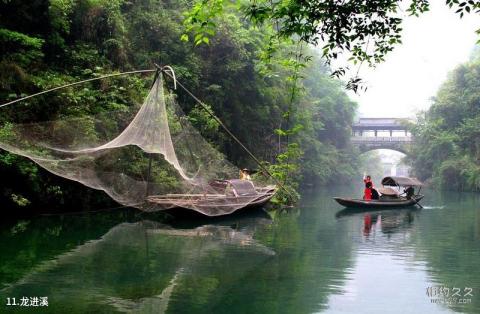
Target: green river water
(316,258)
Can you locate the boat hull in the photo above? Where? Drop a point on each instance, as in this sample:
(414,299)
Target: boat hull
(211,205)
(186,213)
(358,203)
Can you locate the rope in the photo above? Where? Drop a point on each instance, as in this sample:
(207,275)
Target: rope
(76,83)
(227,130)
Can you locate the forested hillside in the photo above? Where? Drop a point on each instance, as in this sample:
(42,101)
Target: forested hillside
(447,136)
(45,44)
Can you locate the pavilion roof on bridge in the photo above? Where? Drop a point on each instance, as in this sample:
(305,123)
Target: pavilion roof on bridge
(380,124)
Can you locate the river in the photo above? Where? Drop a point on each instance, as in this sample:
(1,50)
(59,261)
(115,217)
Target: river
(316,258)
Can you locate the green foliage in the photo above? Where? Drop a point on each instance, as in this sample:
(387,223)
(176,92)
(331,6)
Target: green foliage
(20,200)
(19,227)
(293,117)
(60,13)
(20,39)
(6,132)
(363,30)
(20,48)
(203,122)
(462,7)
(447,137)
(287,166)
(198,21)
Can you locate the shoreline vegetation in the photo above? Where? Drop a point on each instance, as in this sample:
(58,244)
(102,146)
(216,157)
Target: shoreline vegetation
(50,43)
(446,150)
(277,95)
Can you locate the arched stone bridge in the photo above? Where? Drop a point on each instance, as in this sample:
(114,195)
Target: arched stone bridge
(381,133)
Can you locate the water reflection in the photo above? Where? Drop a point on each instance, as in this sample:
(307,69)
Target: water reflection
(401,253)
(387,221)
(137,266)
(284,264)
(315,258)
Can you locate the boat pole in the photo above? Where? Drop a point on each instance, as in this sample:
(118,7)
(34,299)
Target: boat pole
(166,70)
(150,155)
(417,203)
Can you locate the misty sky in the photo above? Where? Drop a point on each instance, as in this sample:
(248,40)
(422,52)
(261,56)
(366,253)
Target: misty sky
(433,45)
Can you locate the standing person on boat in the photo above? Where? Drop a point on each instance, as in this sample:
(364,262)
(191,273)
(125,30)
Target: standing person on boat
(367,194)
(370,193)
(367,178)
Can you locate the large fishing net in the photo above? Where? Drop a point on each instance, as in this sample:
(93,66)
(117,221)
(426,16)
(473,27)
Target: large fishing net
(148,156)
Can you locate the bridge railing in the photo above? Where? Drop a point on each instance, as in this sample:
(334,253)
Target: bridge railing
(376,139)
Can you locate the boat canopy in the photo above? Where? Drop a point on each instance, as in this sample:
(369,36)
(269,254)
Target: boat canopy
(401,181)
(387,191)
(242,187)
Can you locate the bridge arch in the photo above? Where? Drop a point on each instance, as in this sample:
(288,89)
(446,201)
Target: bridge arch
(394,134)
(384,162)
(404,149)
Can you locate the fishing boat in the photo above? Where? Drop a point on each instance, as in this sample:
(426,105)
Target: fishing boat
(241,193)
(146,155)
(390,195)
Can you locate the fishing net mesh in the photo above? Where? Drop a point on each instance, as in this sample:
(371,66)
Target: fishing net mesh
(149,157)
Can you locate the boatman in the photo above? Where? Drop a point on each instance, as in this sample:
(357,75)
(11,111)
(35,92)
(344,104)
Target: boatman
(245,174)
(409,192)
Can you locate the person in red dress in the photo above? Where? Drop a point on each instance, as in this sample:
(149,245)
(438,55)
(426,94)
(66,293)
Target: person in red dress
(367,195)
(367,179)
(370,193)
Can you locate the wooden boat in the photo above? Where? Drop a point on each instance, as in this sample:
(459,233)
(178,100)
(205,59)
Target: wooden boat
(389,198)
(235,194)
(381,203)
